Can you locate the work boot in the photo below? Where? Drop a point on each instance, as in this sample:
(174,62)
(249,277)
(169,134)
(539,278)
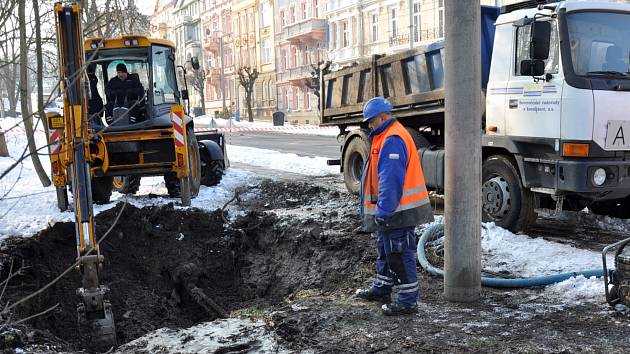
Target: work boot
(371,295)
(395,309)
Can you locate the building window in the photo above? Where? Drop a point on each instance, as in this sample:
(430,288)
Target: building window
(252,22)
(307,100)
(315,8)
(416,22)
(304,14)
(243,24)
(295,99)
(346,34)
(270,92)
(293,56)
(374,17)
(252,57)
(264,90)
(292,14)
(393,24)
(286,99)
(264,14)
(266,52)
(441,17)
(283,20)
(300,99)
(284,59)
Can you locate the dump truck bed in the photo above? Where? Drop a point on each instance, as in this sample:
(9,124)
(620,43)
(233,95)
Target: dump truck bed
(413,81)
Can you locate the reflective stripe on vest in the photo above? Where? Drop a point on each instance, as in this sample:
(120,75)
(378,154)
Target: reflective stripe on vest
(415,194)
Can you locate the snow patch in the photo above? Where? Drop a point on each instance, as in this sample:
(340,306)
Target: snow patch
(222,336)
(306,165)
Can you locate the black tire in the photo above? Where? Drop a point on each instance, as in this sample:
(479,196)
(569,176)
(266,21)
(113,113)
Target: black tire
(356,154)
(504,200)
(102,189)
(127,184)
(418,139)
(190,187)
(211,171)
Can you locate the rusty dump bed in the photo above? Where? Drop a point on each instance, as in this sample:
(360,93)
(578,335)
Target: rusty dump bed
(413,81)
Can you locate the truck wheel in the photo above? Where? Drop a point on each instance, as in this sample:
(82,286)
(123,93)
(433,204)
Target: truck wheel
(127,184)
(418,139)
(102,189)
(62,198)
(211,171)
(190,185)
(355,156)
(504,200)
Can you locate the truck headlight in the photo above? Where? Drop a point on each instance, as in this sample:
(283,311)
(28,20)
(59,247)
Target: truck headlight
(599,176)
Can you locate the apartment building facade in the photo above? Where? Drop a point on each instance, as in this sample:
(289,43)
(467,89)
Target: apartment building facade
(218,47)
(301,43)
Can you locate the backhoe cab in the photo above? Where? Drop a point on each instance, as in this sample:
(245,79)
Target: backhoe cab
(139,126)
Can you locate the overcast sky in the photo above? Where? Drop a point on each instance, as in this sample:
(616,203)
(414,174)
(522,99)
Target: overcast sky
(145,6)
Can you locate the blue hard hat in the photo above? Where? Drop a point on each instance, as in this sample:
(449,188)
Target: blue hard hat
(376,106)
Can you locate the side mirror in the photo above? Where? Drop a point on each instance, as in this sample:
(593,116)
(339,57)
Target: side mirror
(194,62)
(533,67)
(540,39)
(184,94)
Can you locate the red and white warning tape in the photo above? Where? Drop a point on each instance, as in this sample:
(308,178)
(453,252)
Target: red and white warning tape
(231,130)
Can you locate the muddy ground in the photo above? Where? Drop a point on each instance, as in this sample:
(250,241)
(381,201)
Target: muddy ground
(287,256)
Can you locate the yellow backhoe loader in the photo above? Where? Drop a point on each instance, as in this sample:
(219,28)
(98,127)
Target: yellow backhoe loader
(105,135)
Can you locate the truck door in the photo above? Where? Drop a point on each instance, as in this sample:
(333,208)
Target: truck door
(534,104)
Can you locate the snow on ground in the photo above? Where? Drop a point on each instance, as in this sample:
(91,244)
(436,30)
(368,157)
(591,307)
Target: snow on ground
(524,256)
(210,122)
(222,336)
(306,165)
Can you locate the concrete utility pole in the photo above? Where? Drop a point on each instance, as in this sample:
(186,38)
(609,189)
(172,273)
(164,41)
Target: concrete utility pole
(462,249)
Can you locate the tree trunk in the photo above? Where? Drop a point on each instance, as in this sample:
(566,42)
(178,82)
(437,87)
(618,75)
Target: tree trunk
(248,98)
(4,151)
(11,94)
(28,119)
(40,71)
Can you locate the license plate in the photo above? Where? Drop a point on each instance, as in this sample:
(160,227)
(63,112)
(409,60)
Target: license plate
(618,135)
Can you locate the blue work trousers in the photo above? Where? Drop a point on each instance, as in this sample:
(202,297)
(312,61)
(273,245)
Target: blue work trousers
(396,265)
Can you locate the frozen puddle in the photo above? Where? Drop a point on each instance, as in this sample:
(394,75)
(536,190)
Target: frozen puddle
(232,335)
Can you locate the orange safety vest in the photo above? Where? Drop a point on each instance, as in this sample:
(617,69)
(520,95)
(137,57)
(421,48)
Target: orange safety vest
(414,207)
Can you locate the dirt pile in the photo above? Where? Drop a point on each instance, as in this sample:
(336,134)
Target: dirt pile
(167,266)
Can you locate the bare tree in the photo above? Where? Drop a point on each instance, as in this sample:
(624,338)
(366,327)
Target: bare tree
(197,79)
(247,77)
(24,97)
(40,69)
(313,82)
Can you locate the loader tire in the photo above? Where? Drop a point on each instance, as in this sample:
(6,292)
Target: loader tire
(102,189)
(127,184)
(504,199)
(354,157)
(186,188)
(418,139)
(211,171)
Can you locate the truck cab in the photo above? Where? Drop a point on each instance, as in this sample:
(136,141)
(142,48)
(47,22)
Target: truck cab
(557,104)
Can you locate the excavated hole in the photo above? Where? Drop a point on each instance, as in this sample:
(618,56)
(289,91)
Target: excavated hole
(156,255)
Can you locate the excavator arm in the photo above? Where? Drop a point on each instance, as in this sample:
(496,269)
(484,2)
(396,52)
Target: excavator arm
(94,310)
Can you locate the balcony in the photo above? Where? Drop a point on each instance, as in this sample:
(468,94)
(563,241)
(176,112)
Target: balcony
(344,54)
(295,76)
(306,31)
(402,39)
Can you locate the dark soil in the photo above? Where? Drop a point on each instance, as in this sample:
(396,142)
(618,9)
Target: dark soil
(293,246)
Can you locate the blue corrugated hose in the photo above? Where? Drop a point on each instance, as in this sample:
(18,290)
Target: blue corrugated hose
(436,231)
